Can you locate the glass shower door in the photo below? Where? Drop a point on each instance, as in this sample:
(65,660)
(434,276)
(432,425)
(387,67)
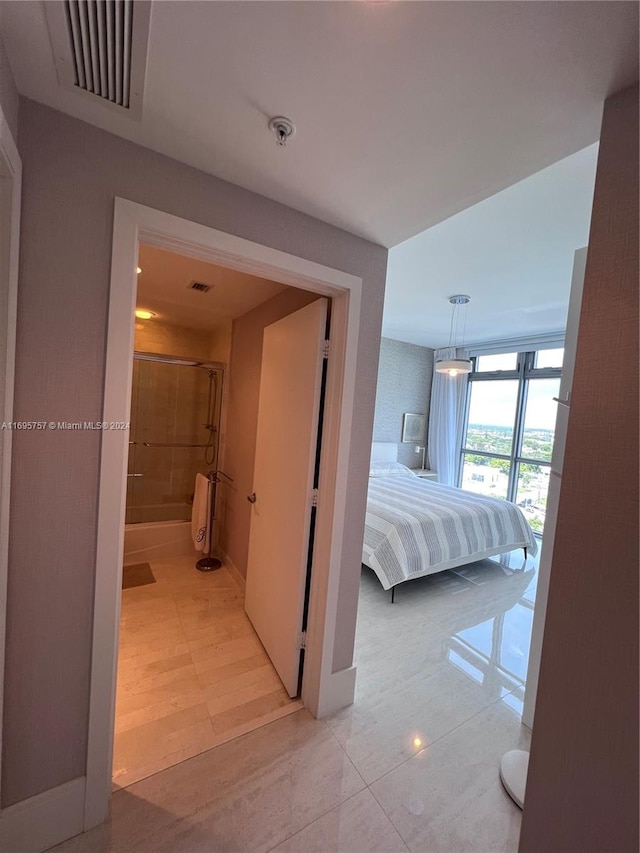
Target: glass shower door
(174,435)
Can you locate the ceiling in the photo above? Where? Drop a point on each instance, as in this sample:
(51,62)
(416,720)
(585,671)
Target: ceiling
(407,112)
(512,253)
(163,287)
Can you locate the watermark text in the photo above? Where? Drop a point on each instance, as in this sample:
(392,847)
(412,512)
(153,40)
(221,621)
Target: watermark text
(27,426)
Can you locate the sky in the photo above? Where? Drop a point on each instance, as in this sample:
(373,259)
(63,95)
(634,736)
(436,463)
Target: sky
(494,403)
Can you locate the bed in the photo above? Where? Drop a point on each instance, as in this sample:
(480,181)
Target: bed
(417,527)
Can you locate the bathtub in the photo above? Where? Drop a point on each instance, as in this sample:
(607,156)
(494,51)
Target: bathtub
(157,540)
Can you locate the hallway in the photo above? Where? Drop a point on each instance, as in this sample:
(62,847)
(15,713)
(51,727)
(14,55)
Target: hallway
(411,765)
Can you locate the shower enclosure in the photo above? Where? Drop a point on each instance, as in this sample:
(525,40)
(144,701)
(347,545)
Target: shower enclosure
(175,423)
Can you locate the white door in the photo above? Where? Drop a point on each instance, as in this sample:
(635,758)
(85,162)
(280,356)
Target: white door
(288,412)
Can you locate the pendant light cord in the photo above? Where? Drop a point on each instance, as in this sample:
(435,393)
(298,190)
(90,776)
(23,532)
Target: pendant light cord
(453,316)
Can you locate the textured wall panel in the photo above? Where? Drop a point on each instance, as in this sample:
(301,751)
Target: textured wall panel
(72,173)
(582,790)
(9,98)
(404,385)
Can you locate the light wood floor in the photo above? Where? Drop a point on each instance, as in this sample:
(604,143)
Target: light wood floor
(192,673)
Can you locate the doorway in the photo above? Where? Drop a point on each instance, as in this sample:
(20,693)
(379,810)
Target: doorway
(192,671)
(322,689)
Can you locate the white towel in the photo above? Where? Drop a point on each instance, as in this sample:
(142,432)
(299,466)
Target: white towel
(200,514)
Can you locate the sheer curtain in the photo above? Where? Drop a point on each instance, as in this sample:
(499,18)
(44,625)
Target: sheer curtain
(445,419)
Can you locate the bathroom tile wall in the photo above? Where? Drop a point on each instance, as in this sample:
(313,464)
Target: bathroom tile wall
(169,405)
(160,336)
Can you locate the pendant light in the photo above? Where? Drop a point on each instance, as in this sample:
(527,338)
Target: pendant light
(456,366)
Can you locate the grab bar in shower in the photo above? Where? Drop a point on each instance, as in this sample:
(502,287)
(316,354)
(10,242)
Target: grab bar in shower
(152,444)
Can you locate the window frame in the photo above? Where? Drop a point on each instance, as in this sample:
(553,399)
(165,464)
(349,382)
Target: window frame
(525,371)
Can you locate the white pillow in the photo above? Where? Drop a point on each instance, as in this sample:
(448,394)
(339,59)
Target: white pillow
(389,469)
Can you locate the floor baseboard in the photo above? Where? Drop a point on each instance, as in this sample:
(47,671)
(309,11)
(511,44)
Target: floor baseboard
(45,820)
(338,692)
(233,571)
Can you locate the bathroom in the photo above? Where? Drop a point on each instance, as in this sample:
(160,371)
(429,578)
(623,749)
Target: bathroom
(192,672)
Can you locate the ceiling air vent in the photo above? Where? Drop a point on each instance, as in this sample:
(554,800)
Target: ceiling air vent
(100,49)
(200,287)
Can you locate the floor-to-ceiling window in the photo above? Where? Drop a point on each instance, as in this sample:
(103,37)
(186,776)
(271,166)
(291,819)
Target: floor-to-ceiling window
(509,428)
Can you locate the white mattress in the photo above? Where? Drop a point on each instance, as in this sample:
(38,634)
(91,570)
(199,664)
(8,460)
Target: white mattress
(416,527)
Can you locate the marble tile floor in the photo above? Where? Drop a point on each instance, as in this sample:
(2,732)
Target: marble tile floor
(192,673)
(412,765)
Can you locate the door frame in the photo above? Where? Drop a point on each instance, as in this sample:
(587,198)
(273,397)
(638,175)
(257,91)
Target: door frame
(323,691)
(10,172)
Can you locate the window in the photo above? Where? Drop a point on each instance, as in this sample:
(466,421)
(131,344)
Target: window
(504,361)
(549,358)
(509,428)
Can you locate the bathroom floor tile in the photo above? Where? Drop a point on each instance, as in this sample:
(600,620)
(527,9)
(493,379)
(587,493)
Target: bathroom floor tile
(207,654)
(253,709)
(127,700)
(133,670)
(159,743)
(141,716)
(192,673)
(263,678)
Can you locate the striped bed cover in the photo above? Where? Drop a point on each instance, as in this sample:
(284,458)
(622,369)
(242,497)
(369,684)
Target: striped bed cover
(416,527)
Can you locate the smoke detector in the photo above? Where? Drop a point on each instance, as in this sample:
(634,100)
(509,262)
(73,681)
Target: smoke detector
(283,128)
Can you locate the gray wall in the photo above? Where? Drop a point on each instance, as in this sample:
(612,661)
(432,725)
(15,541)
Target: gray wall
(582,788)
(405,373)
(245,366)
(9,99)
(72,172)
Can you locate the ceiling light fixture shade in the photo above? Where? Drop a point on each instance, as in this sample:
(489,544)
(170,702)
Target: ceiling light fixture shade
(456,366)
(453,366)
